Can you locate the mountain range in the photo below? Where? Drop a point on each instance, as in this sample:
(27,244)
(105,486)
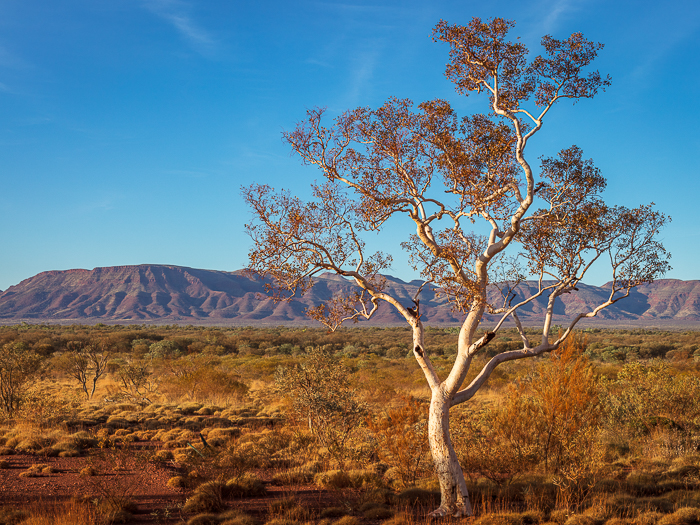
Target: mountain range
(175,294)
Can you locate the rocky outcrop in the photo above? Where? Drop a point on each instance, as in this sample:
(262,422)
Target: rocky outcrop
(162,293)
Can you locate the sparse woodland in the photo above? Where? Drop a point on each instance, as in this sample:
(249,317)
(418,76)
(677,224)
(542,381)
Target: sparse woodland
(287,426)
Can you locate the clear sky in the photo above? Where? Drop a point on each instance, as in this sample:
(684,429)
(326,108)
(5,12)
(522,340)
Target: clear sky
(127,127)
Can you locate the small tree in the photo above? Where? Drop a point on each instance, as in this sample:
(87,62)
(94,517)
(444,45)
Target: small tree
(400,434)
(442,175)
(86,364)
(322,397)
(17,366)
(137,382)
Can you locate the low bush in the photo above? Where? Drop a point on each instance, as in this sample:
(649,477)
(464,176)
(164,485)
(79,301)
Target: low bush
(333,479)
(247,485)
(207,497)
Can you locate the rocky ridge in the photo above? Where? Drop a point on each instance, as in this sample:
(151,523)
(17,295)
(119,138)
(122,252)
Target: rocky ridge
(165,294)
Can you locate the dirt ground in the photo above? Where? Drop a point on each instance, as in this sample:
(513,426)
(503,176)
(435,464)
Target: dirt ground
(129,478)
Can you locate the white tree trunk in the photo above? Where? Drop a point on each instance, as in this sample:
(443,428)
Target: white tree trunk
(453,488)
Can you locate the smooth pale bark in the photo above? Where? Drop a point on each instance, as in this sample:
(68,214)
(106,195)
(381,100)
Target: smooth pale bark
(453,488)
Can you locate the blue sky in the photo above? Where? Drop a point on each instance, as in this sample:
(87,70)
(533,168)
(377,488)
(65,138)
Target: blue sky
(127,127)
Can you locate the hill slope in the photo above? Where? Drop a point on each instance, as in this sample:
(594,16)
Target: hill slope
(178,294)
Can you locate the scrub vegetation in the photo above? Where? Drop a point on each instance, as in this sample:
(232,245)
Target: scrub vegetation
(287,426)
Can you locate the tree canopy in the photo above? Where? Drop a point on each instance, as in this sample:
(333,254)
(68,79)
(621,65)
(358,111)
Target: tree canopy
(480,218)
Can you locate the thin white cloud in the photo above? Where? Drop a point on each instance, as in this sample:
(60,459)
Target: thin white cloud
(361,76)
(11,60)
(353,7)
(177,14)
(193,174)
(546,16)
(100,205)
(665,43)
(316,62)
(558,10)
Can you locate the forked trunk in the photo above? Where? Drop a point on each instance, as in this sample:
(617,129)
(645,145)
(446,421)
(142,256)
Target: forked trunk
(455,496)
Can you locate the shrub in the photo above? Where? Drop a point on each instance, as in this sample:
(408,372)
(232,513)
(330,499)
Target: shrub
(399,519)
(532,517)
(322,396)
(618,521)
(17,366)
(12,516)
(401,437)
(190,407)
(648,518)
(236,517)
(163,455)
(347,520)
(417,496)
(333,512)
(293,476)
(559,516)
(580,519)
(32,444)
(48,452)
(83,440)
(247,485)
(204,519)
(281,506)
(34,471)
(378,513)
(177,482)
(683,516)
(333,479)
(118,516)
(207,497)
(499,519)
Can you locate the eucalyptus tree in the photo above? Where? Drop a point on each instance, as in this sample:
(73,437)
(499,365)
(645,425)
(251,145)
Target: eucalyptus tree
(86,363)
(18,366)
(482,216)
